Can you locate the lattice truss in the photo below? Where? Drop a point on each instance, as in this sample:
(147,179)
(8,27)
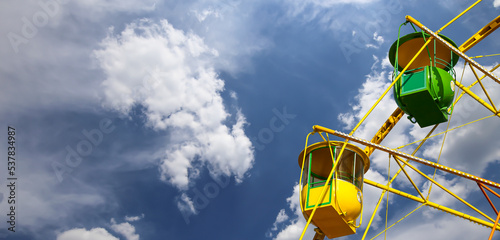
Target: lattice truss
(483,88)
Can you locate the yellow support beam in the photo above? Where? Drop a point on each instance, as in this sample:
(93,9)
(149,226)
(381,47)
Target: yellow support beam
(482,87)
(480,35)
(451,129)
(489,55)
(408,176)
(407,156)
(494,226)
(385,129)
(401,219)
(434,205)
(445,189)
(429,40)
(474,83)
(374,212)
(458,16)
(477,98)
(393,178)
(453,49)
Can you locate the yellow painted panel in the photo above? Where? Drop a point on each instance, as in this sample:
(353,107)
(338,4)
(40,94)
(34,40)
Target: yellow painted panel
(335,220)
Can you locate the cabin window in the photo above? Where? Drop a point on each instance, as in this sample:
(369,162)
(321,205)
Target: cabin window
(351,169)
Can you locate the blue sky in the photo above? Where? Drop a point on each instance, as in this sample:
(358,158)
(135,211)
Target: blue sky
(184,119)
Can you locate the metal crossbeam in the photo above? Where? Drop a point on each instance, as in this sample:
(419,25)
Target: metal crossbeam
(433,205)
(407,156)
(480,35)
(385,129)
(452,48)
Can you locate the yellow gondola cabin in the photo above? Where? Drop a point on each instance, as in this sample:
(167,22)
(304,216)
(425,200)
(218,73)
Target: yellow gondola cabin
(342,204)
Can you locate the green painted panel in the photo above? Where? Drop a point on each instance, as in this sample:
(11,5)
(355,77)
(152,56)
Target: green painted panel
(414,82)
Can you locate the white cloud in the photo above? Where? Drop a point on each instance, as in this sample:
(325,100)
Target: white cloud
(442,226)
(378,39)
(282,216)
(295,225)
(376,83)
(134,218)
(186,205)
(458,186)
(496,3)
(125,229)
(170,73)
(83,234)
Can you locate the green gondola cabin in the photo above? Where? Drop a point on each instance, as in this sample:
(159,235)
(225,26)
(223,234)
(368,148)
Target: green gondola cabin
(425,92)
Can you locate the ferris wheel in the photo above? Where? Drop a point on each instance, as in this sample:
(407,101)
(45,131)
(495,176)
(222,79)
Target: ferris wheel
(426,89)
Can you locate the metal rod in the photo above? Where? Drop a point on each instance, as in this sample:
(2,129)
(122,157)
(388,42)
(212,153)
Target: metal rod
(407,156)
(494,226)
(477,98)
(452,48)
(487,198)
(434,205)
(445,189)
(484,89)
(459,15)
(409,178)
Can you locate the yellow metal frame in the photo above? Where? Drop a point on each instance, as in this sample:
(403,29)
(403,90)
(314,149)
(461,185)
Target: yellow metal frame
(385,129)
(407,156)
(481,34)
(398,156)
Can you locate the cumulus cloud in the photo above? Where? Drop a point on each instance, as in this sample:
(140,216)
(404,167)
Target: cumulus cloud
(377,81)
(291,227)
(170,74)
(282,216)
(83,234)
(125,229)
(496,3)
